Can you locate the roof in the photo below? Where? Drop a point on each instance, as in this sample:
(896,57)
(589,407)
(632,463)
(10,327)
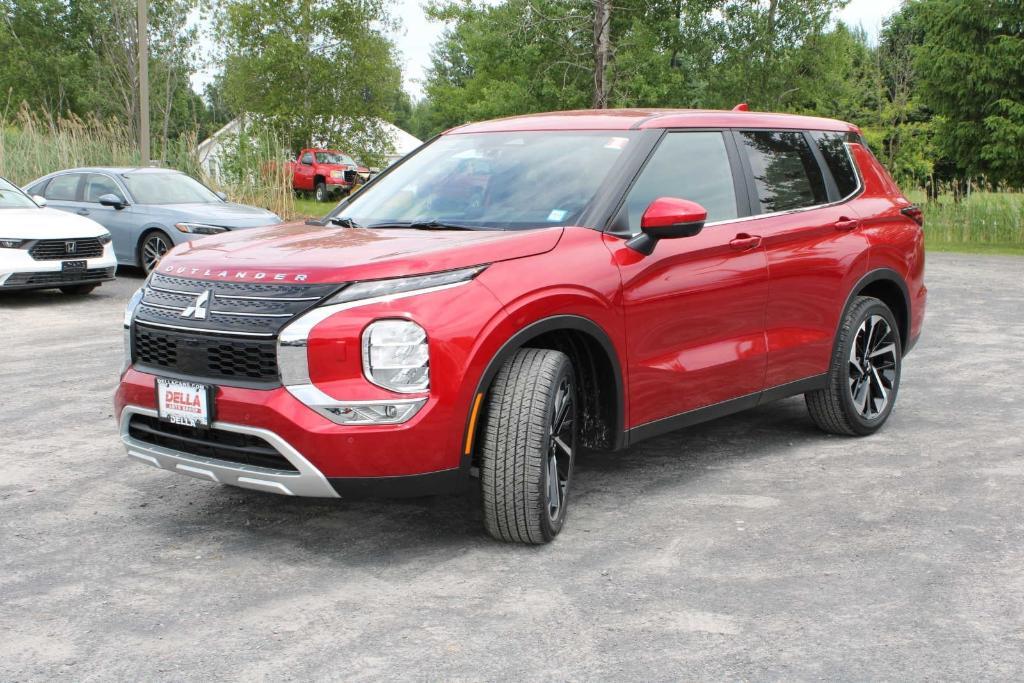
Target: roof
(639,119)
(117,170)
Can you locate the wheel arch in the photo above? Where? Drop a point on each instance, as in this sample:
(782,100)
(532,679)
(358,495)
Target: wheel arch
(145,232)
(596,363)
(888,286)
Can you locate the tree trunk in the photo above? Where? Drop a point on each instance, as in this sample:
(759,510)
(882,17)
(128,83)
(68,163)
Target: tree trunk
(602,51)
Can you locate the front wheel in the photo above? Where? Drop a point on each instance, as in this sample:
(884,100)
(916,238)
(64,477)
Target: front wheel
(321,193)
(153,246)
(865,373)
(528,447)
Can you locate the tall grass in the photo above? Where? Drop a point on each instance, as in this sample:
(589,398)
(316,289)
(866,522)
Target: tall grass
(986,219)
(33,145)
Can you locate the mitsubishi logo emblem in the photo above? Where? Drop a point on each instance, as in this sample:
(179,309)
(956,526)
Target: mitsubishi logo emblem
(70,247)
(198,309)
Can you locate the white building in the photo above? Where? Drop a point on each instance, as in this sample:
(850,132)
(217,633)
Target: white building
(212,149)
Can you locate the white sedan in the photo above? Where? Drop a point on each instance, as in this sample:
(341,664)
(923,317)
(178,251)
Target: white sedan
(44,248)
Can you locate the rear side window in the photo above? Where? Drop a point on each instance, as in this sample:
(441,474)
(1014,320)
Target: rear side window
(786,174)
(837,157)
(37,189)
(692,166)
(63,188)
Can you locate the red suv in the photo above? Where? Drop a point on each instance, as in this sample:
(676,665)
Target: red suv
(517,290)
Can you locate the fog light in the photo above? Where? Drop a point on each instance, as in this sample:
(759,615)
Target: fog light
(372,413)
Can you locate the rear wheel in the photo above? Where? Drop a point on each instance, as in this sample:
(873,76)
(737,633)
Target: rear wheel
(865,373)
(78,290)
(153,245)
(528,447)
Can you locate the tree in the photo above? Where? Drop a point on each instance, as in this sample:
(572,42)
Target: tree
(308,64)
(970,73)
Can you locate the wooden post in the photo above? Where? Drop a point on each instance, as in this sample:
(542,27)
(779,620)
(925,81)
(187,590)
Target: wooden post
(144,83)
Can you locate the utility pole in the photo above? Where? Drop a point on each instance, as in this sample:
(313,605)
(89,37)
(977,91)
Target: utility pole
(144,82)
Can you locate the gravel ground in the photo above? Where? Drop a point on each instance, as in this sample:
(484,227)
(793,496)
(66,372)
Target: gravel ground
(752,547)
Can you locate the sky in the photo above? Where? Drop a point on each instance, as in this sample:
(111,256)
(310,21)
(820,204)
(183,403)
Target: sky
(417,36)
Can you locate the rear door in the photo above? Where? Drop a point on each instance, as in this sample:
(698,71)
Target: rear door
(695,307)
(62,192)
(813,245)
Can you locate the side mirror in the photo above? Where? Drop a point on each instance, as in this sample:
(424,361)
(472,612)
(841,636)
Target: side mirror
(222,195)
(41,201)
(112,200)
(668,218)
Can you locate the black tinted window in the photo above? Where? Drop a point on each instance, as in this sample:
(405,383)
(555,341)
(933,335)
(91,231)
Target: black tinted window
(63,188)
(692,166)
(786,173)
(837,157)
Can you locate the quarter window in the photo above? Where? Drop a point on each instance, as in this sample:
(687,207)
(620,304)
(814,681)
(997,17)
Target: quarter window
(692,166)
(63,188)
(837,158)
(785,171)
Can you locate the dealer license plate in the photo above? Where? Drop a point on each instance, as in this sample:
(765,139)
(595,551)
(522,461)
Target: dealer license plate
(72,266)
(183,403)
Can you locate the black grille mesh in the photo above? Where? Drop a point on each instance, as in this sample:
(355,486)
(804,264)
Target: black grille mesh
(53,250)
(58,278)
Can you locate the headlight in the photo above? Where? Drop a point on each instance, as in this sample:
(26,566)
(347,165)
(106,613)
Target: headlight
(375,288)
(396,356)
(105,238)
(200,228)
(12,244)
(337,174)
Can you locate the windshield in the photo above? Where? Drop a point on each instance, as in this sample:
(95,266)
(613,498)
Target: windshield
(13,198)
(510,181)
(168,188)
(333,158)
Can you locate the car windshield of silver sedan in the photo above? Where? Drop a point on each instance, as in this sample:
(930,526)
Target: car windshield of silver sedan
(168,188)
(13,198)
(507,180)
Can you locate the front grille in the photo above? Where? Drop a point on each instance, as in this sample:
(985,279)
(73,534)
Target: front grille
(217,444)
(207,356)
(57,278)
(56,250)
(233,342)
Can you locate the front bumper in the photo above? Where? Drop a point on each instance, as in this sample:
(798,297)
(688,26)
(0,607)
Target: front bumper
(18,270)
(329,460)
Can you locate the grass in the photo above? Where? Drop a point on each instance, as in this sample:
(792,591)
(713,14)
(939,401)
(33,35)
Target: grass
(985,222)
(310,208)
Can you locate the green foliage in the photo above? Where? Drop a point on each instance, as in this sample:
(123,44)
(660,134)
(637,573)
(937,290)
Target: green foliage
(304,64)
(970,71)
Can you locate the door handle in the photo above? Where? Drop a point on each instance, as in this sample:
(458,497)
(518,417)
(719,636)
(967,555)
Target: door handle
(845,223)
(743,241)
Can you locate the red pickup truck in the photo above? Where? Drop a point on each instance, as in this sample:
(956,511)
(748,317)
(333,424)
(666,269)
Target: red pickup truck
(326,173)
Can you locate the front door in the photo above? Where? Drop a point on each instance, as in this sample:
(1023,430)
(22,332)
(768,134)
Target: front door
(120,222)
(695,308)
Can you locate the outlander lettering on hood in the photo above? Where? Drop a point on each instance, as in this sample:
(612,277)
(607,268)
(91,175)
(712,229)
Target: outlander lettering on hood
(208,273)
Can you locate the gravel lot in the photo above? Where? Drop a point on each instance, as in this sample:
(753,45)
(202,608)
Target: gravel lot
(753,547)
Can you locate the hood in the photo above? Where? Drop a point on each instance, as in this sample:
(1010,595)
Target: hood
(32,223)
(226,214)
(309,253)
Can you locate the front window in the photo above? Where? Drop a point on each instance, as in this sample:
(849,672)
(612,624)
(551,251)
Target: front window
(13,198)
(508,181)
(168,188)
(334,158)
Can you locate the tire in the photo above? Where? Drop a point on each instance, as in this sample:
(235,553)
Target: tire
(528,440)
(864,376)
(78,290)
(152,246)
(321,194)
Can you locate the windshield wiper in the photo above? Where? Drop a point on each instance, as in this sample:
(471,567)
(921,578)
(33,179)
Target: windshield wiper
(344,222)
(432,224)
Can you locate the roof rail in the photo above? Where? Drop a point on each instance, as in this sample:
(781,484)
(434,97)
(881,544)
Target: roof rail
(742,106)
